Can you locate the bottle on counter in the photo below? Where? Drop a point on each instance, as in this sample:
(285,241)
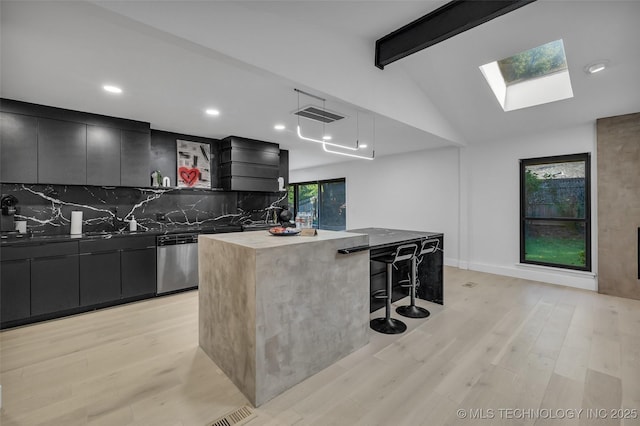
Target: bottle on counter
(133,225)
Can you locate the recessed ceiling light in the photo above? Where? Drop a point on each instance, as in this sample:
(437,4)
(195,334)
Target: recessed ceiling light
(112,89)
(595,67)
(212,111)
(363,145)
(279,127)
(326,137)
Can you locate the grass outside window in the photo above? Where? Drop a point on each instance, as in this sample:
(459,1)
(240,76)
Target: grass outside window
(555,212)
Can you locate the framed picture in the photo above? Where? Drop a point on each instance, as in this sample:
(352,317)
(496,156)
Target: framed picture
(194,164)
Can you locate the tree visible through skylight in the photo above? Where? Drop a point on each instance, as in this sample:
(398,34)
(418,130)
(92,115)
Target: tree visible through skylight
(533,63)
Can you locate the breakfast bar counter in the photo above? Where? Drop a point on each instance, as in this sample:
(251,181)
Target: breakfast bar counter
(274,310)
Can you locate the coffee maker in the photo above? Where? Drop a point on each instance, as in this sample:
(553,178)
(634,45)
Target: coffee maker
(8,206)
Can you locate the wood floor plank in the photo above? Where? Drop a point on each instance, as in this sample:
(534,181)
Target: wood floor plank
(564,397)
(602,393)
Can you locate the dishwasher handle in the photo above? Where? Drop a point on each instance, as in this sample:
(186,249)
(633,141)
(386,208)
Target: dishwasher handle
(177,239)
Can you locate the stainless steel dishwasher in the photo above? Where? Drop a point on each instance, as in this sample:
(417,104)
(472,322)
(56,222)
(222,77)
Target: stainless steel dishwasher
(177,262)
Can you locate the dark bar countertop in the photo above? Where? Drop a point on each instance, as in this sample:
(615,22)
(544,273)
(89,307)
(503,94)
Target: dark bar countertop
(382,237)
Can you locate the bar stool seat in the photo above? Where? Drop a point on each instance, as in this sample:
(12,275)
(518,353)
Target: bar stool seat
(388,325)
(412,311)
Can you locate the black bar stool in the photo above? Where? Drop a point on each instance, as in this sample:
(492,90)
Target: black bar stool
(387,324)
(412,311)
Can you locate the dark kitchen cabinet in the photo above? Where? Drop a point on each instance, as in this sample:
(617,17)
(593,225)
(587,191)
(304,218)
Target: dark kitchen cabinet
(249,165)
(19,147)
(15,291)
(99,277)
(138,272)
(134,158)
(62,152)
(103,156)
(55,284)
(44,144)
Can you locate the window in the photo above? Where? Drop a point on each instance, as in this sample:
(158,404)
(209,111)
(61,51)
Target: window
(324,201)
(555,211)
(532,77)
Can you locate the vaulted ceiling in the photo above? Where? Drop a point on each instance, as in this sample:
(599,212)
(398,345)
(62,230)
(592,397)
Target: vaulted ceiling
(174,59)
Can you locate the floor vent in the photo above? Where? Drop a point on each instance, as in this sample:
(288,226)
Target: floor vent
(470,284)
(318,114)
(236,417)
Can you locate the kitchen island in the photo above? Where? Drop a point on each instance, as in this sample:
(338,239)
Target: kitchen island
(274,310)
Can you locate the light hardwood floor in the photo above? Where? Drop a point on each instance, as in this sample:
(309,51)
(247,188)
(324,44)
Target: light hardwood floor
(500,344)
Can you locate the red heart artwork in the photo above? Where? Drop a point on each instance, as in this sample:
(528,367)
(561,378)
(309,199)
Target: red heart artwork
(189,176)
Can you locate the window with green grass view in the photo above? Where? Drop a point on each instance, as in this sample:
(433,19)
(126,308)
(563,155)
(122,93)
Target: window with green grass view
(555,212)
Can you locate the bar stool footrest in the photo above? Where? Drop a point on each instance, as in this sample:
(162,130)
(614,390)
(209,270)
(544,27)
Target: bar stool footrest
(380,294)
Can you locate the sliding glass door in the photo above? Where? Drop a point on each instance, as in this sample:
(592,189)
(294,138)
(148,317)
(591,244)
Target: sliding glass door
(322,201)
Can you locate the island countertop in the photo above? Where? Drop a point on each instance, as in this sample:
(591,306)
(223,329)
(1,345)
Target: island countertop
(382,237)
(263,239)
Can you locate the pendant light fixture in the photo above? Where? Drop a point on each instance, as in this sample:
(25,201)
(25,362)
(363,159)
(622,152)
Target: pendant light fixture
(325,139)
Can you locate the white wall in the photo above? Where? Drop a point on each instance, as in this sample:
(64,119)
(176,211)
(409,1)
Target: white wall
(493,196)
(470,194)
(416,191)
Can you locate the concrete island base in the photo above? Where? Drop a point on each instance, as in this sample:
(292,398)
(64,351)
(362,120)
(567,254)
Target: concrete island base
(275,310)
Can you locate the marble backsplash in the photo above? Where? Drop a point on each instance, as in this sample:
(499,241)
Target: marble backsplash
(47,208)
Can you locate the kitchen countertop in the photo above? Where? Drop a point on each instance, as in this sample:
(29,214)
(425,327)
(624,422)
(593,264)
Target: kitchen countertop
(31,239)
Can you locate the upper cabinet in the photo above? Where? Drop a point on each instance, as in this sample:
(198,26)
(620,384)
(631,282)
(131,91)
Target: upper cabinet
(19,147)
(134,158)
(42,144)
(249,165)
(62,152)
(103,156)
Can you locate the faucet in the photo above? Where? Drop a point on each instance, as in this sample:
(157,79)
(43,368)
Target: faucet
(115,222)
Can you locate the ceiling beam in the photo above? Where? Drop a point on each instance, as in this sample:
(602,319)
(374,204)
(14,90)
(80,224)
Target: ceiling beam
(447,21)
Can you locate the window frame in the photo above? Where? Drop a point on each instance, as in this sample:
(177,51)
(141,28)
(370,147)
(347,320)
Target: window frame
(320,198)
(582,157)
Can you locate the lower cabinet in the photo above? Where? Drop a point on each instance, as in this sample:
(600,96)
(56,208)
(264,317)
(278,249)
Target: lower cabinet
(55,284)
(138,272)
(99,278)
(48,280)
(15,292)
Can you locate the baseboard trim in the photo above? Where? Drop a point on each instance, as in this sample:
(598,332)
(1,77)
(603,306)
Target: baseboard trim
(449,261)
(568,278)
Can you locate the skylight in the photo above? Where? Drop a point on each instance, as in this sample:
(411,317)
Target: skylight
(532,77)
